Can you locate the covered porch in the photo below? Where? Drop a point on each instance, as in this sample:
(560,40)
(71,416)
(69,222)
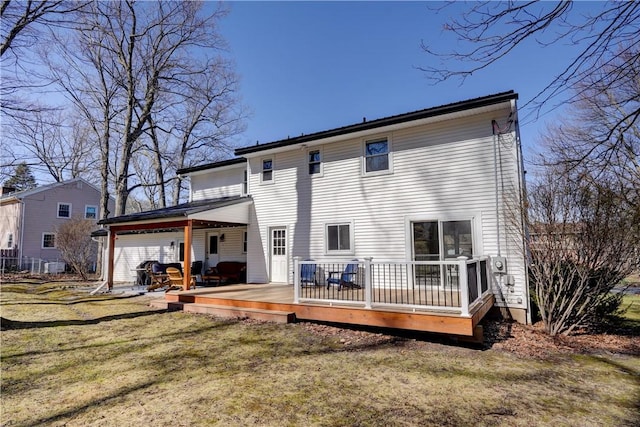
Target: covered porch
(204,216)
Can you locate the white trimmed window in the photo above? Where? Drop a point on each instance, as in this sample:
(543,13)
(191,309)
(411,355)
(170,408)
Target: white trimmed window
(64,210)
(244,242)
(245,182)
(314,157)
(10,241)
(90,212)
(377,156)
(267,170)
(339,238)
(48,240)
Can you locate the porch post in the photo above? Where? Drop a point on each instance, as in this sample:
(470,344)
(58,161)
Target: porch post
(188,236)
(463,284)
(296,279)
(368,288)
(110,257)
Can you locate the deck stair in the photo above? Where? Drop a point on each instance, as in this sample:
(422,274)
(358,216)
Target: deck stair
(227,311)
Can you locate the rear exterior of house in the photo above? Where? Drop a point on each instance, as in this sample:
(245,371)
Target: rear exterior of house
(30,217)
(428,186)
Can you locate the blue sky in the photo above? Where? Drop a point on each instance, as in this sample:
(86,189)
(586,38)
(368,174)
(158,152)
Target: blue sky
(313,66)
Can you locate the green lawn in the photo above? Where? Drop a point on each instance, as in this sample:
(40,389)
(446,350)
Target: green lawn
(75,360)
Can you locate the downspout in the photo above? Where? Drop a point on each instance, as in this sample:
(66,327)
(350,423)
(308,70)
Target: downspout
(21,231)
(494,126)
(522,191)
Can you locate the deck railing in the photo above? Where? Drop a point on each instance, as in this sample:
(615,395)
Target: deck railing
(451,285)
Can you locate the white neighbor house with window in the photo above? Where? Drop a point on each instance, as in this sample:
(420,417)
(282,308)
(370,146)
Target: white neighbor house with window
(427,186)
(28,218)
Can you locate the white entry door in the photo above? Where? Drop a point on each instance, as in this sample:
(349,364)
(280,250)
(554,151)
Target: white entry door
(212,250)
(279,254)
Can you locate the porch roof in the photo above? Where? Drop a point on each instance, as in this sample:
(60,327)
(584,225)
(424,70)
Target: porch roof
(229,210)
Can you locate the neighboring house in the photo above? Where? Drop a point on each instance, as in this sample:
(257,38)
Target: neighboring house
(430,185)
(28,218)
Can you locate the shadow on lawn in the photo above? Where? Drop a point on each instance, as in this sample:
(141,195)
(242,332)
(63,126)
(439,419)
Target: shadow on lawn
(71,412)
(69,301)
(8,324)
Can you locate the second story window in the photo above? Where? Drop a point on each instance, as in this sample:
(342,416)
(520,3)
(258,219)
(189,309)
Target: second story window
(91,212)
(314,162)
(267,170)
(64,210)
(10,241)
(245,183)
(376,155)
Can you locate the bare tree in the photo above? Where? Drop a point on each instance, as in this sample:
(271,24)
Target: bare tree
(599,138)
(63,148)
(489,31)
(142,52)
(22,26)
(206,118)
(583,241)
(73,240)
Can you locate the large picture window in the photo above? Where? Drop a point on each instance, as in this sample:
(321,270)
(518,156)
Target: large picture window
(339,238)
(439,240)
(376,155)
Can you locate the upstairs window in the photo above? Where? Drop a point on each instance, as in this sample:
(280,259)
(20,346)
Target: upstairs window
(245,182)
(48,240)
(10,241)
(315,160)
(91,212)
(376,155)
(267,170)
(64,210)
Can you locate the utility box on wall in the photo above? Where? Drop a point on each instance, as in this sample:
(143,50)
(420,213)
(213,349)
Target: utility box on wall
(499,264)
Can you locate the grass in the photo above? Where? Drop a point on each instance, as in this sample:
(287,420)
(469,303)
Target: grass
(631,305)
(71,359)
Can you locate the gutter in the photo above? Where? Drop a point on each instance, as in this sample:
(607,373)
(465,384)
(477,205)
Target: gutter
(21,231)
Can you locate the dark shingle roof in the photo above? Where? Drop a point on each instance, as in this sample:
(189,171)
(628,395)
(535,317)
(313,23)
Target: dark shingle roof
(373,124)
(214,165)
(179,211)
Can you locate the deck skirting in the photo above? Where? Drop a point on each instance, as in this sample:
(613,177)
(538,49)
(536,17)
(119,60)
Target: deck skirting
(246,305)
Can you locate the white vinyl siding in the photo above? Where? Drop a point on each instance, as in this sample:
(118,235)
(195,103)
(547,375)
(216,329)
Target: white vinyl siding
(218,183)
(441,170)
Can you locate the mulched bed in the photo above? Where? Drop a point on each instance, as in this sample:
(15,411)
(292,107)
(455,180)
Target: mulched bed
(532,342)
(528,341)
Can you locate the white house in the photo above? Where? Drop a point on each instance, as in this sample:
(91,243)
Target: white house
(422,187)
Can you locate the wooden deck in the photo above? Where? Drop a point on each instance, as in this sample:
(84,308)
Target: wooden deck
(243,300)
